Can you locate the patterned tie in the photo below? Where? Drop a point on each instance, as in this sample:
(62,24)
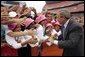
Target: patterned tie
(63,30)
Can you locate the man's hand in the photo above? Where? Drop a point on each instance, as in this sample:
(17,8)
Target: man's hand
(51,40)
(33,41)
(55,36)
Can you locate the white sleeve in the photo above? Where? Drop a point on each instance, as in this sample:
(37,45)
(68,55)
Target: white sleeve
(11,41)
(49,43)
(55,42)
(45,37)
(40,33)
(54,32)
(17,46)
(34,45)
(27,37)
(8,38)
(59,33)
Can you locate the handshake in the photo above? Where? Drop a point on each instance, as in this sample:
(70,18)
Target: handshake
(52,38)
(33,41)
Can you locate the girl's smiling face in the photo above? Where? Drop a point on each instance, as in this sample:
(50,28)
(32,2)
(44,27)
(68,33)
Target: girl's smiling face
(48,30)
(43,23)
(57,27)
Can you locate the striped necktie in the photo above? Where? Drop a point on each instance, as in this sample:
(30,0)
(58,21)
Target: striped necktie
(63,30)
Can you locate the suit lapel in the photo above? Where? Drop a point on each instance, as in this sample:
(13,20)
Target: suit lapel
(67,28)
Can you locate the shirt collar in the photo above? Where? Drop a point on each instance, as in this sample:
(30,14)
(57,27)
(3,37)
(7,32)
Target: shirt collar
(65,25)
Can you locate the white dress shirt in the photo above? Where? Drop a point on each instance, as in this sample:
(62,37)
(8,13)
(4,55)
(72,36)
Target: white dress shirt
(65,25)
(59,33)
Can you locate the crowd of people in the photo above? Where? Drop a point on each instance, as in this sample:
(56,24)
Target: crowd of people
(23,28)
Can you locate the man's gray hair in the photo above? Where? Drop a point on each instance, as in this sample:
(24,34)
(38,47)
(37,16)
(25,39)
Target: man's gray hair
(65,13)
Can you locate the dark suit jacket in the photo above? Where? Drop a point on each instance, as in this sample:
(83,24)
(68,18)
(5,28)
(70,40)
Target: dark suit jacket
(73,40)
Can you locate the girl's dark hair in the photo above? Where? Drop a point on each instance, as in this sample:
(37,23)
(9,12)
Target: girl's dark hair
(22,28)
(28,27)
(35,17)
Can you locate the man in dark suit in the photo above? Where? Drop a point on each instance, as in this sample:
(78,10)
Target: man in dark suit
(72,40)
